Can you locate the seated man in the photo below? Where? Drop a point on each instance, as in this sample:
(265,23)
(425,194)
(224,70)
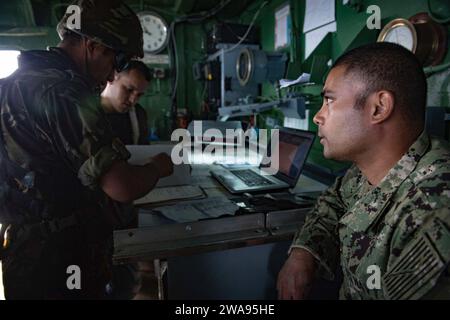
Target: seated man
(119,100)
(387,221)
(129,123)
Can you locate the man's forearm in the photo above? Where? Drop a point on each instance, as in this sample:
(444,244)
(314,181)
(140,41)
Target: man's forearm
(319,233)
(321,244)
(125,182)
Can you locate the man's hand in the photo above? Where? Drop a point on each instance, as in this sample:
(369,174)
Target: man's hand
(296,276)
(163,164)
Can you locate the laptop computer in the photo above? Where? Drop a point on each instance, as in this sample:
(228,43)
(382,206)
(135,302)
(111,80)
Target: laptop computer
(294,147)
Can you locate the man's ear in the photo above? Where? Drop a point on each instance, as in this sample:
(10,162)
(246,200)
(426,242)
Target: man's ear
(381,106)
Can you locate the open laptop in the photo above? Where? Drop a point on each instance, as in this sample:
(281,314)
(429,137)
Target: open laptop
(294,147)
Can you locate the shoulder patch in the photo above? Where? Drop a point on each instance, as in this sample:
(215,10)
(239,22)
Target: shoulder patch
(420,265)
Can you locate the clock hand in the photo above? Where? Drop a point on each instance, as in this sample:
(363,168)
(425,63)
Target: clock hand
(146,30)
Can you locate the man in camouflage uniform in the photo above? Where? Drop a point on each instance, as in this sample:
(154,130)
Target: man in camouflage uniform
(128,121)
(387,221)
(59,162)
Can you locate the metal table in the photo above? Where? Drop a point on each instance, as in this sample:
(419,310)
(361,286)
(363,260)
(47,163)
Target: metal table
(159,238)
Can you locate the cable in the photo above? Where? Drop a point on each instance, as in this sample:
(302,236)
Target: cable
(175,86)
(433,69)
(159,10)
(192,19)
(249,28)
(204,90)
(198,17)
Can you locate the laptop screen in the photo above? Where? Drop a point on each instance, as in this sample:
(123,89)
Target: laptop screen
(293,152)
(294,146)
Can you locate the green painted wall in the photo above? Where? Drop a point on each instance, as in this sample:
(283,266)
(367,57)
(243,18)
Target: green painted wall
(191,43)
(351,32)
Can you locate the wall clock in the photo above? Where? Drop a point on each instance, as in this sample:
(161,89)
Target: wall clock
(420,34)
(155,32)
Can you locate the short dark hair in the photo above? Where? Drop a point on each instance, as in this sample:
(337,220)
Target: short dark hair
(388,66)
(140,67)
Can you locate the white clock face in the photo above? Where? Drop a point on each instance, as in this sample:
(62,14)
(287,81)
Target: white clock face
(156,32)
(401,35)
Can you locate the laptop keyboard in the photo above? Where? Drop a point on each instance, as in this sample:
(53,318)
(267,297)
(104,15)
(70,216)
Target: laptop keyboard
(251,178)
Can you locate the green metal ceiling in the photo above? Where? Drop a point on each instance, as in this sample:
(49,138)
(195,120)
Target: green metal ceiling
(45,13)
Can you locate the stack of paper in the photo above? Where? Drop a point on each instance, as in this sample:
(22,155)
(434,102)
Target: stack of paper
(140,155)
(164,194)
(198,210)
(303,78)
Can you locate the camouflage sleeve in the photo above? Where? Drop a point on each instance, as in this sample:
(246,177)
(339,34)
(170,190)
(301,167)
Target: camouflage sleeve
(420,252)
(79,132)
(319,234)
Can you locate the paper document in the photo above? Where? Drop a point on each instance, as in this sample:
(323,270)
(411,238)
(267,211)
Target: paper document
(171,193)
(198,171)
(303,78)
(318,13)
(199,209)
(314,38)
(204,181)
(140,155)
(282,27)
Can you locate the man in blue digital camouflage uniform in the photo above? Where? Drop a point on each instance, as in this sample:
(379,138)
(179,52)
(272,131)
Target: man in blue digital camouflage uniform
(59,163)
(387,221)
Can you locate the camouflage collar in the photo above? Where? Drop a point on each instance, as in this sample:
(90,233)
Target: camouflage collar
(378,199)
(70,65)
(53,57)
(406,165)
